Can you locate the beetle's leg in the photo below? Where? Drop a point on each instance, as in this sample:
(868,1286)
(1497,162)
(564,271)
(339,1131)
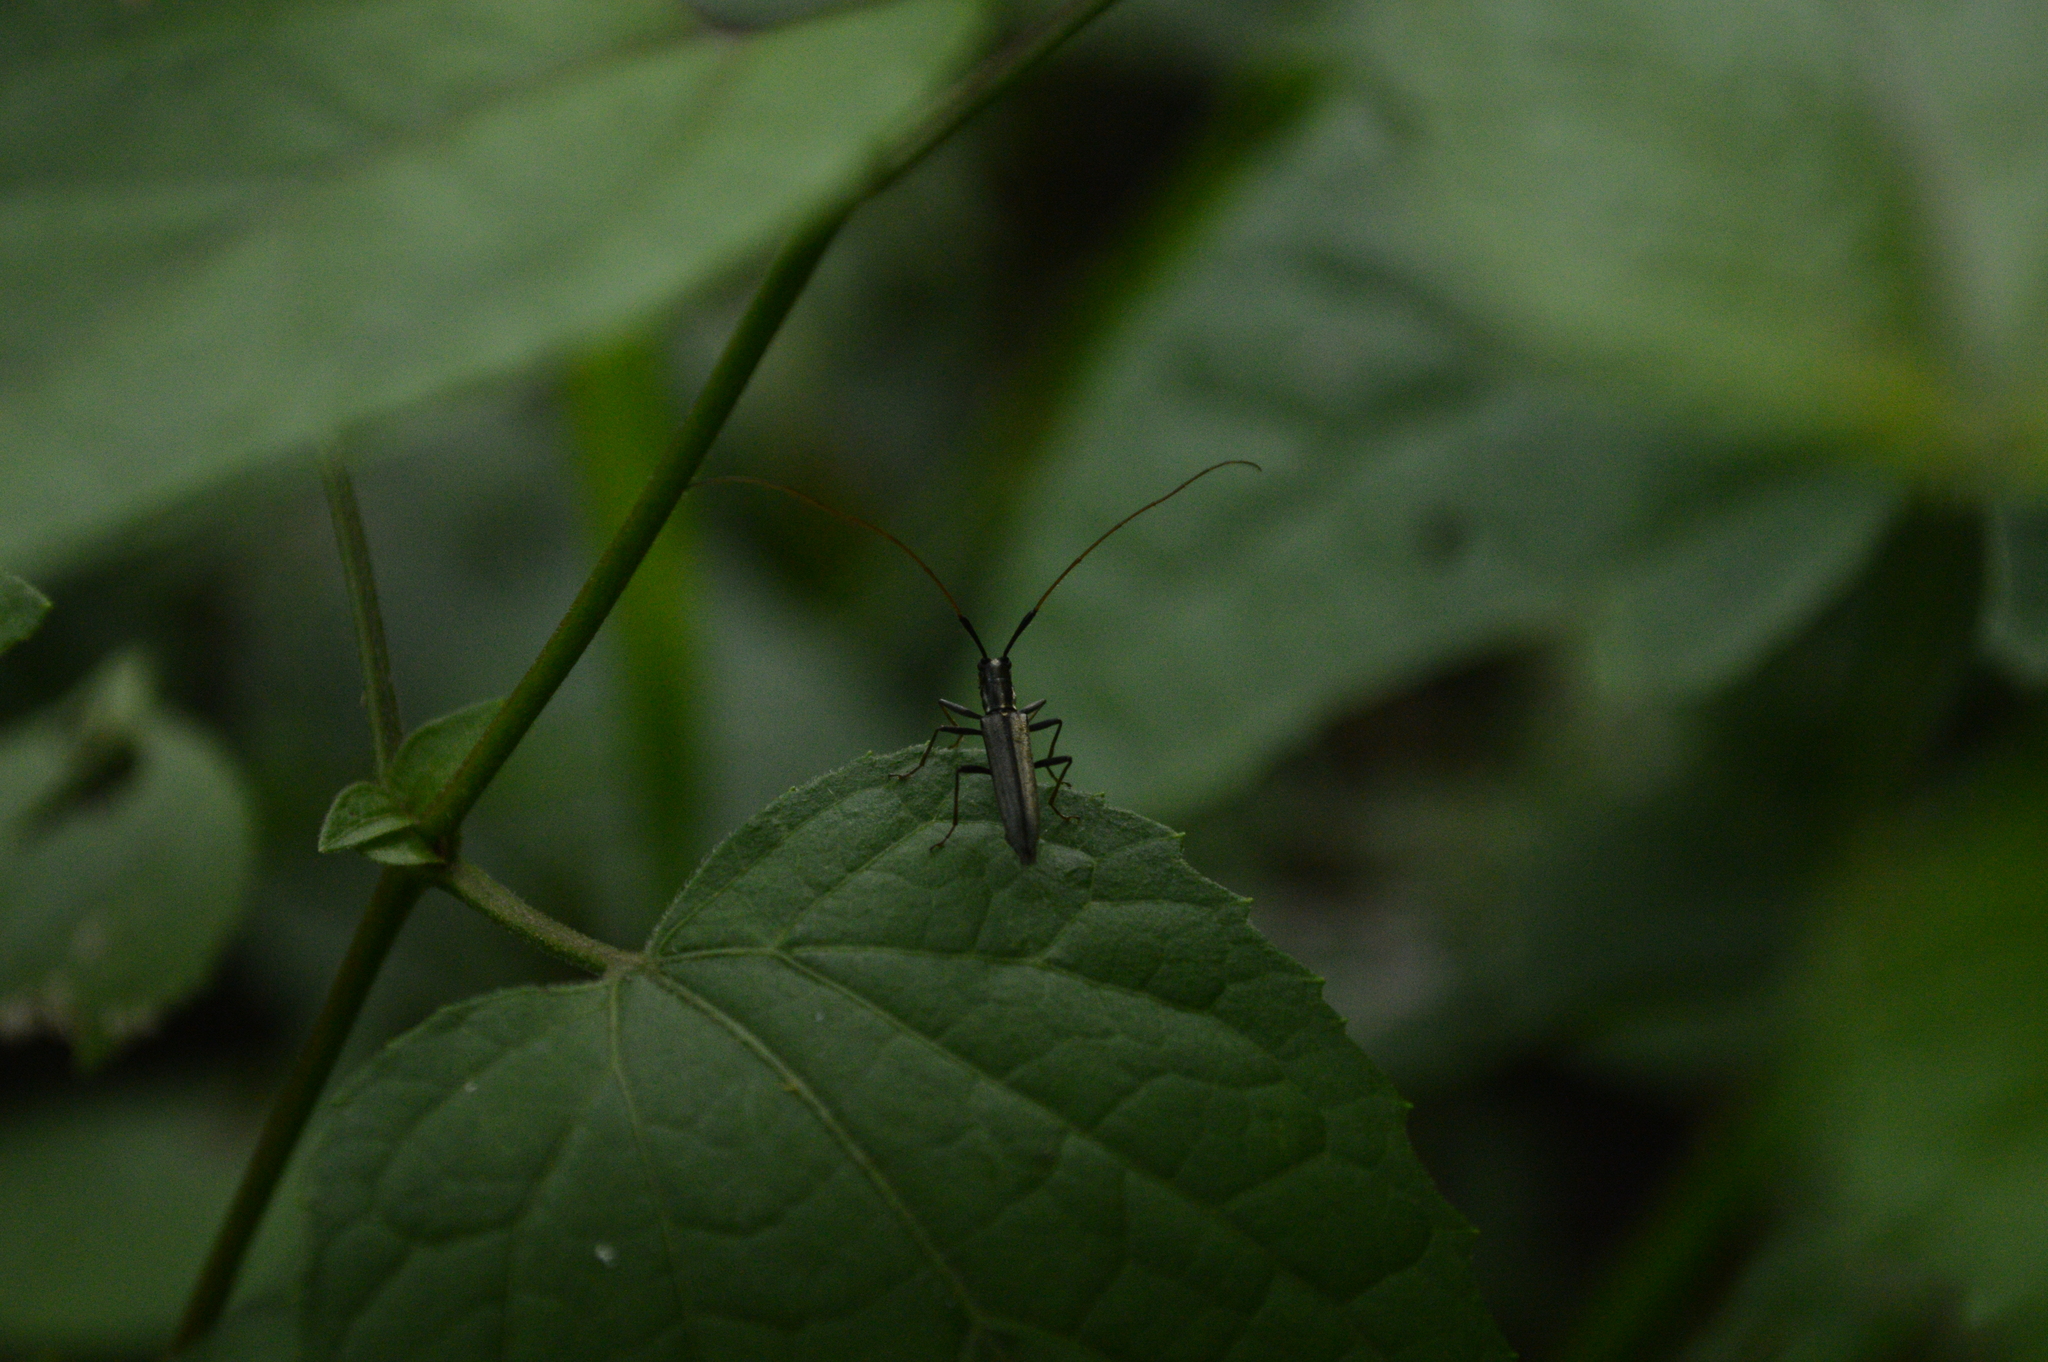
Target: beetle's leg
(1049,761)
(1030,710)
(1059,783)
(959,771)
(958,732)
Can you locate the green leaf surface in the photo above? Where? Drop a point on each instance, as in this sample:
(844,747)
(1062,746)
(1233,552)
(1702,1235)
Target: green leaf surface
(125,851)
(1416,508)
(2016,607)
(361,813)
(1801,219)
(1703,608)
(238,229)
(432,753)
(876,1101)
(107,1204)
(22,608)
(1921,1079)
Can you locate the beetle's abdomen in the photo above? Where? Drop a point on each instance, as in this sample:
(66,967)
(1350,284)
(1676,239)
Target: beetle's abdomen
(1006,736)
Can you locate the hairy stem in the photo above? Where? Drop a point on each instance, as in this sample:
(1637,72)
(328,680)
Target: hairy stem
(787,274)
(475,887)
(386,730)
(396,892)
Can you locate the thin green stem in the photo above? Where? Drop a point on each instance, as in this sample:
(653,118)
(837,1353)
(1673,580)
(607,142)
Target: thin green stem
(475,887)
(976,90)
(396,892)
(386,730)
(398,889)
(787,275)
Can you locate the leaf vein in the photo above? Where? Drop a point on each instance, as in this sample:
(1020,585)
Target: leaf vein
(826,1117)
(1211,1212)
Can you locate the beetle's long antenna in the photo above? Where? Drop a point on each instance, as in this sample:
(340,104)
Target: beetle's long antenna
(1032,613)
(958,613)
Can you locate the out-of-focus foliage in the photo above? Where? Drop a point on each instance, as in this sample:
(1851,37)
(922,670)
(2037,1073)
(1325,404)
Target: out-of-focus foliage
(2016,615)
(1798,218)
(1429,504)
(1616,685)
(237,228)
(1923,1049)
(123,863)
(22,608)
(103,1200)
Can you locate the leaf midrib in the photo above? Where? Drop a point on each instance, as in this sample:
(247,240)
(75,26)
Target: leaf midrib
(796,1085)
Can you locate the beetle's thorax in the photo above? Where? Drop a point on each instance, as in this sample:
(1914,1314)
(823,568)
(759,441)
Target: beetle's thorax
(996,694)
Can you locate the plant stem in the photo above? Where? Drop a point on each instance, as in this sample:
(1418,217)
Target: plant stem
(396,892)
(787,274)
(785,279)
(386,730)
(398,889)
(475,887)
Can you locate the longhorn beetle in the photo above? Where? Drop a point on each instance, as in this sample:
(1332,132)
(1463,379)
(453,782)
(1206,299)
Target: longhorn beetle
(1005,728)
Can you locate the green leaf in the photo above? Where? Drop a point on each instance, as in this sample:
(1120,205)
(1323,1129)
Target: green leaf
(1802,221)
(1416,509)
(2016,608)
(873,1100)
(365,817)
(107,1204)
(1738,581)
(240,229)
(125,851)
(433,752)
(1919,1079)
(360,814)
(22,608)
(378,820)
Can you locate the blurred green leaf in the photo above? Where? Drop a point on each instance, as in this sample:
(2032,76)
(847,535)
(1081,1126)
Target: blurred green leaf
(875,1101)
(125,851)
(265,1329)
(1416,508)
(22,608)
(1701,610)
(1921,1073)
(1810,1293)
(2016,611)
(1803,220)
(753,14)
(238,229)
(106,1208)
(622,420)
